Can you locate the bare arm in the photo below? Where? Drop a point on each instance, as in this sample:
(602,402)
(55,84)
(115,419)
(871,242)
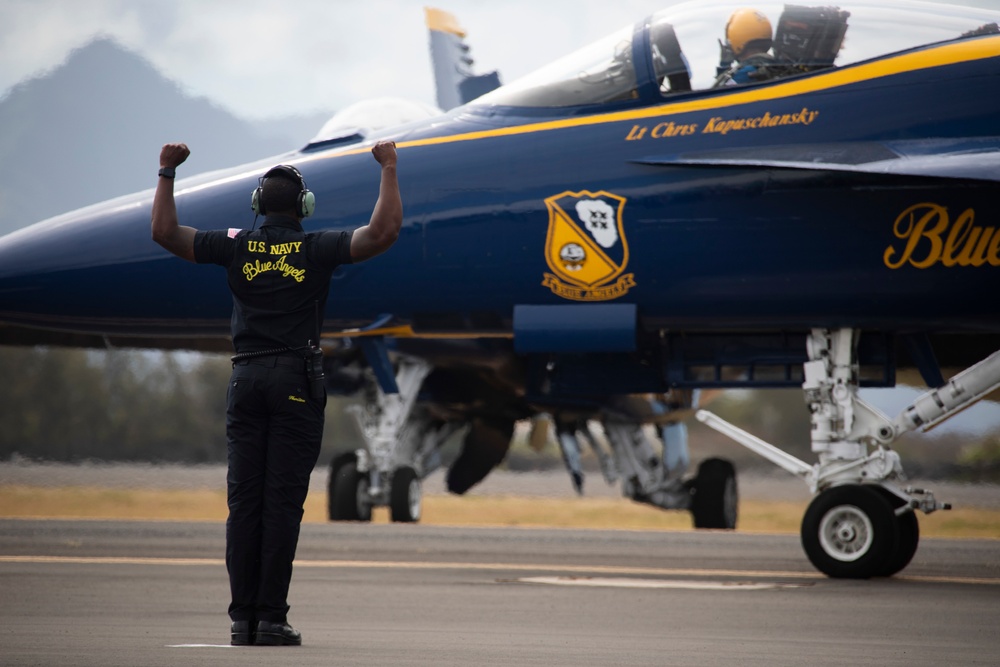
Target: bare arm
(382,230)
(172,236)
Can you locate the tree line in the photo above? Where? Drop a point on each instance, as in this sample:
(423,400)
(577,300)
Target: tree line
(121,405)
(126,405)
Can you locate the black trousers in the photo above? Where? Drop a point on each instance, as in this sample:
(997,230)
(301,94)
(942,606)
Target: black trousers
(274,431)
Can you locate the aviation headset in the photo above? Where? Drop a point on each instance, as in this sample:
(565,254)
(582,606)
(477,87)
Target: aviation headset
(305,203)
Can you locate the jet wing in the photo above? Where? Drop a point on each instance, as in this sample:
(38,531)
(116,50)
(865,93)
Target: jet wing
(975,158)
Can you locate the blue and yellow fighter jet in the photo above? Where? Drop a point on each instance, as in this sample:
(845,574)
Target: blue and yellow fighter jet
(817,207)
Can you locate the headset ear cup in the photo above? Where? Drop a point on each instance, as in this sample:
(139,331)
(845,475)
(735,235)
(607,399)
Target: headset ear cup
(307,203)
(255,202)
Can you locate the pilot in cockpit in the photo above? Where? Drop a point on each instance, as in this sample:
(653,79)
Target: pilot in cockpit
(746,54)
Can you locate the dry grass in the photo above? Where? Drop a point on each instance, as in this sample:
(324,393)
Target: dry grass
(442,510)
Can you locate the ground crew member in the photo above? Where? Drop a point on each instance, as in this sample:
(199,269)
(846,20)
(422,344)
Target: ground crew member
(274,424)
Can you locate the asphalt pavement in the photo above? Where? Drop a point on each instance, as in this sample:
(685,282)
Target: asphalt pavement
(154,593)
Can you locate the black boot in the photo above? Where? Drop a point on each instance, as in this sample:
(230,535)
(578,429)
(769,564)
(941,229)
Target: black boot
(277,634)
(241,633)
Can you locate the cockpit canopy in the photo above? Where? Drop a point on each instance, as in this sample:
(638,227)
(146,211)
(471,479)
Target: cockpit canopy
(684,48)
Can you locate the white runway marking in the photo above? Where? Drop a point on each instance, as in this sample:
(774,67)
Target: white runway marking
(626,582)
(609,582)
(202,646)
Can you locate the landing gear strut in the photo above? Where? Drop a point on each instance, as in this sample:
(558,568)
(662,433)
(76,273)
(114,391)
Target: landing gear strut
(401,448)
(647,477)
(861,524)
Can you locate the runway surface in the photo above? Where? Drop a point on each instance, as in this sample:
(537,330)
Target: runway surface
(761,483)
(155,593)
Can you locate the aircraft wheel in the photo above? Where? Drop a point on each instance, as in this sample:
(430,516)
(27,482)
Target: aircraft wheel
(333,510)
(484,448)
(715,499)
(348,496)
(406,496)
(908,538)
(850,532)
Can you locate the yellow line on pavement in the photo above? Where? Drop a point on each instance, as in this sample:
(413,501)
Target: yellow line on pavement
(519,567)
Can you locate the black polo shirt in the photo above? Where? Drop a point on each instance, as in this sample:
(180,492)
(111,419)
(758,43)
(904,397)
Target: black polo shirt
(279,276)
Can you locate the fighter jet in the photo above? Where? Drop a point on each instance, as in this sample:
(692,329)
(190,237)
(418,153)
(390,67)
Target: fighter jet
(650,216)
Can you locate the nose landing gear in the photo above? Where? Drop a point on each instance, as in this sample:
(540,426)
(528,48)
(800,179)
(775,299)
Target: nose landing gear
(860,524)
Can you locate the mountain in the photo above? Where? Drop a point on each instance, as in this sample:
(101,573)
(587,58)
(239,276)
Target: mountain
(92,128)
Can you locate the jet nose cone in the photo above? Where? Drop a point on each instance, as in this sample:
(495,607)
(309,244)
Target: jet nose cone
(60,273)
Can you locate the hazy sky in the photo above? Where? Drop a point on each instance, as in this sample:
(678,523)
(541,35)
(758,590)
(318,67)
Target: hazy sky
(261,58)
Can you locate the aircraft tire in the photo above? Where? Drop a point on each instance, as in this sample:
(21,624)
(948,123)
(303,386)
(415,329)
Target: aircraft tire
(484,448)
(908,538)
(850,532)
(333,511)
(406,497)
(715,499)
(348,495)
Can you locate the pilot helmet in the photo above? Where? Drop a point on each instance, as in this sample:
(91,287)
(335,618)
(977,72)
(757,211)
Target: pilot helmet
(746,26)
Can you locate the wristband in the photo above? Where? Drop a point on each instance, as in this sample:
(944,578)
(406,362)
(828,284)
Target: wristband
(167,172)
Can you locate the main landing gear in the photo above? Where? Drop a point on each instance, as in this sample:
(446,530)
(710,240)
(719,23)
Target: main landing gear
(401,449)
(861,524)
(658,479)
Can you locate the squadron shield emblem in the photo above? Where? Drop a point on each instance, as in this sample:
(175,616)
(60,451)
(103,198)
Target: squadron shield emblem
(586,247)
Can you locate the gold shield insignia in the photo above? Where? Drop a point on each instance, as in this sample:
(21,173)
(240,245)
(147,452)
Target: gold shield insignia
(586,246)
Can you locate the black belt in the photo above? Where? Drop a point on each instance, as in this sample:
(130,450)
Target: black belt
(281,356)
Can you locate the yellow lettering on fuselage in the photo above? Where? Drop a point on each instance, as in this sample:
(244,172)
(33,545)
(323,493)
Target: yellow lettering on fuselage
(930,237)
(722,126)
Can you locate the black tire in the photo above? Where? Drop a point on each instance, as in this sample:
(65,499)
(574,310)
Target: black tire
(348,494)
(715,496)
(484,448)
(405,496)
(908,537)
(850,532)
(333,510)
